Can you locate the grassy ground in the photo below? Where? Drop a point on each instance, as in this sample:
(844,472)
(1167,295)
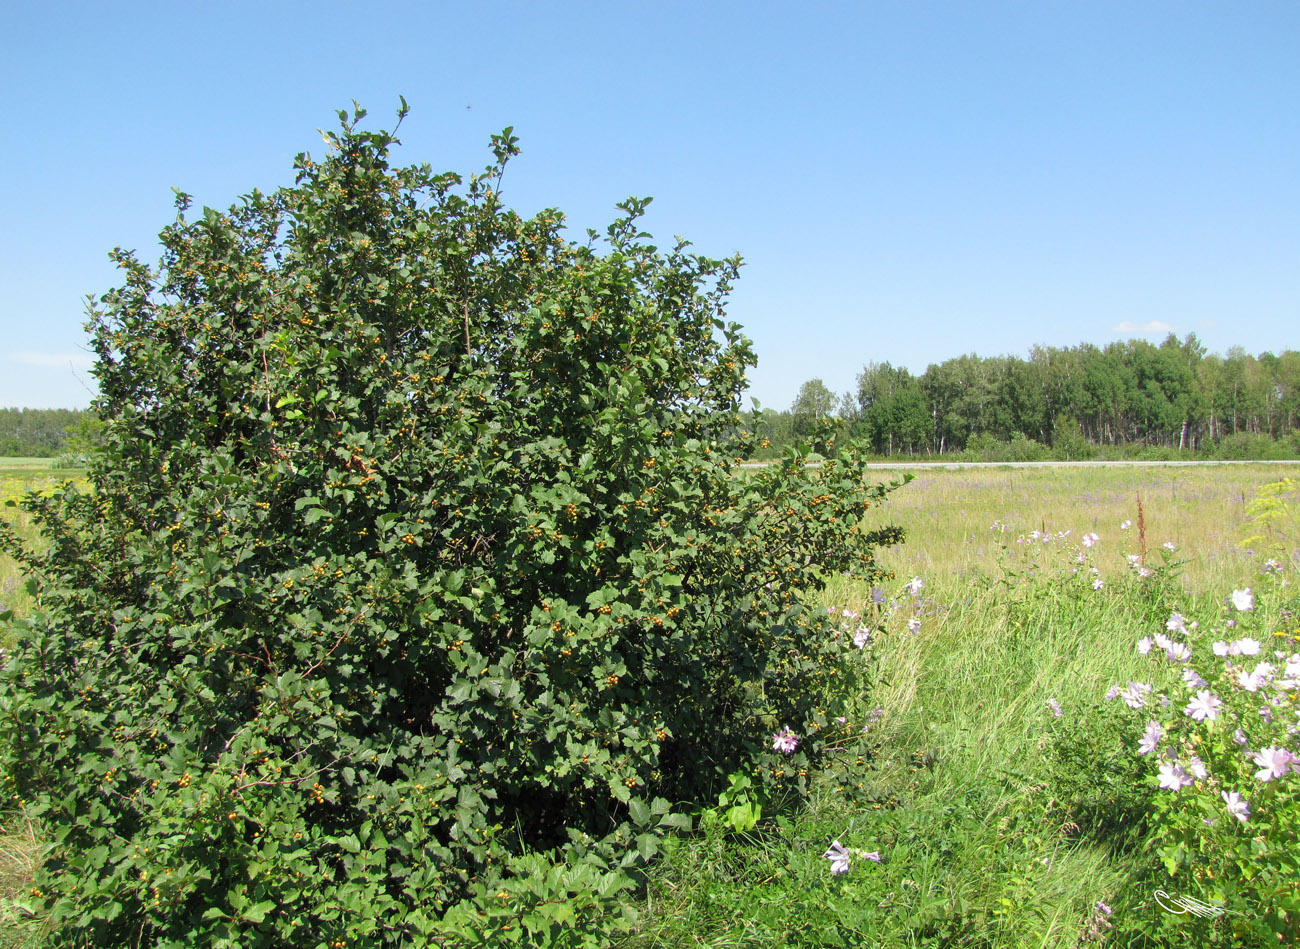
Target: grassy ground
(996,823)
(990,831)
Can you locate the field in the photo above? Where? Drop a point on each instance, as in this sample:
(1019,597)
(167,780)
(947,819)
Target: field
(982,816)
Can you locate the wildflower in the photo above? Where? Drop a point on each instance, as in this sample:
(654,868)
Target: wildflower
(1240,738)
(1247,647)
(1103,908)
(1243,600)
(785,741)
(1250,681)
(1089,539)
(1176,623)
(1238,806)
(873,855)
(1197,767)
(1173,777)
(1271,566)
(1205,707)
(1169,546)
(839,858)
(1133,559)
(1193,679)
(1274,763)
(1055,706)
(1177,652)
(914,586)
(1144,572)
(1145,644)
(877,596)
(1151,738)
(1126,525)
(1112,693)
(1135,695)
(862,637)
(1098,584)
(914,626)
(1220,649)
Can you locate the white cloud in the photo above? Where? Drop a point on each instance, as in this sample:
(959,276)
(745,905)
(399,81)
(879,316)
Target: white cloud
(54,360)
(1144,329)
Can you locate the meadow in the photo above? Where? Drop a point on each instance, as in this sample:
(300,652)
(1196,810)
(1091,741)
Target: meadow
(1003,801)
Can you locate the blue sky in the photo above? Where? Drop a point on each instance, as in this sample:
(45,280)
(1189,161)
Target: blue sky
(907,181)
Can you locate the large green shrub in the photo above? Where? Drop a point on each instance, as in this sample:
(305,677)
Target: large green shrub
(416,550)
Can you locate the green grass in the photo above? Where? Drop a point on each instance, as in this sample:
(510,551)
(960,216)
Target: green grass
(998,823)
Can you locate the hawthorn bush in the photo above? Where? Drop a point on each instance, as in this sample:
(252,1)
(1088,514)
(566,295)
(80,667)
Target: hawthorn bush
(416,592)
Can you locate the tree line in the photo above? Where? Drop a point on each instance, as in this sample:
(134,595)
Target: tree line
(47,433)
(1126,398)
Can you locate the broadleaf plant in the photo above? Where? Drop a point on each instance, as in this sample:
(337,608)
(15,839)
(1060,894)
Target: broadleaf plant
(417,553)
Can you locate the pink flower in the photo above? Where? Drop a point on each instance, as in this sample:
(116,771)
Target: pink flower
(1055,706)
(862,637)
(1238,806)
(1176,623)
(914,586)
(839,858)
(1243,600)
(1205,707)
(1273,763)
(1151,739)
(1089,539)
(1173,777)
(785,741)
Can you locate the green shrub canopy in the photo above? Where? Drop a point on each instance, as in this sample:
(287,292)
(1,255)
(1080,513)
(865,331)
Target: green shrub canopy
(416,549)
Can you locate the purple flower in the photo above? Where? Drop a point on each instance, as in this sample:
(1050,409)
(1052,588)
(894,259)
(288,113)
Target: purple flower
(1173,777)
(1243,600)
(785,741)
(1103,908)
(1055,706)
(1145,644)
(1193,679)
(862,637)
(1238,806)
(873,855)
(1246,647)
(914,626)
(1135,695)
(1271,566)
(1098,584)
(1126,525)
(1151,738)
(1205,707)
(1176,623)
(839,858)
(1273,763)
(914,586)
(1089,539)
(1177,652)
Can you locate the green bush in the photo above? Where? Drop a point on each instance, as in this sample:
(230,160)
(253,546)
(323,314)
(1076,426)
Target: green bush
(415,594)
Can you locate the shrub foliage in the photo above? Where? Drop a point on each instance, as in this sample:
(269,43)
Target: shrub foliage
(417,551)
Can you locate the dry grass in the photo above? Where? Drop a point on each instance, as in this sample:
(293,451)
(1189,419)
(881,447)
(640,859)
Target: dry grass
(948,515)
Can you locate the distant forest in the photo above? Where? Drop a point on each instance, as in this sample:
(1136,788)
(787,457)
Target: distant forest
(47,433)
(1128,399)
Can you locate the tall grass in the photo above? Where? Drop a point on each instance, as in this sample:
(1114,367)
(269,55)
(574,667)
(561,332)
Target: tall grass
(998,822)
